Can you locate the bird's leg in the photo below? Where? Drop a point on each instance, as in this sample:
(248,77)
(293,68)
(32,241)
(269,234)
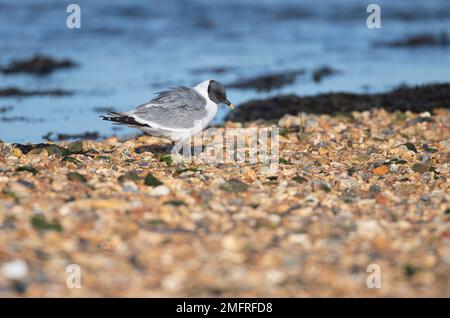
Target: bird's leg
(185,155)
(176,147)
(181,145)
(173,145)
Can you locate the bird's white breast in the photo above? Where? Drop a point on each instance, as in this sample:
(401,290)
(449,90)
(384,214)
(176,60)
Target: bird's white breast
(211,107)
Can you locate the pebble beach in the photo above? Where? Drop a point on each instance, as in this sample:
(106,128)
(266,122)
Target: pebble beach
(354,189)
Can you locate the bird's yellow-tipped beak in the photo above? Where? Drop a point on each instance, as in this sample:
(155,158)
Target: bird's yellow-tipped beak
(228,103)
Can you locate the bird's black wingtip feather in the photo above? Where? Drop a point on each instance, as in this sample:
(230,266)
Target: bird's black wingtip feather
(119,118)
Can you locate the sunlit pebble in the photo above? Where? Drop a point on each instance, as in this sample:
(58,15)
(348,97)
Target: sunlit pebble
(15,270)
(230,242)
(300,238)
(274,277)
(160,190)
(174,281)
(368,228)
(129,186)
(274,218)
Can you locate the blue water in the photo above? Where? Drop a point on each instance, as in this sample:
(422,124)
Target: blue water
(130,49)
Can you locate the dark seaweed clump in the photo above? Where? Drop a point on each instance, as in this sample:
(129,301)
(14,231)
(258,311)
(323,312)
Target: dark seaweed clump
(88,135)
(17,92)
(419,40)
(267,82)
(416,99)
(38,64)
(322,72)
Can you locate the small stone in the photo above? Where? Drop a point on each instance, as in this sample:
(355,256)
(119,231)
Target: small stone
(75,176)
(16,152)
(374,188)
(288,121)
(15,270)
(380,242)
(301,239)
(299,179)
(129,186)
(321,185)
(174,281)
(234,185)
(152,181)
(421,167)
(57,186)
(19,286)
(429,260)
(232,243)
(274,277)
(348,183)
(380,199)
(130,175)
(76,146)
(160,190)
(368,229)
(381,170)
(93,204)
(404,225)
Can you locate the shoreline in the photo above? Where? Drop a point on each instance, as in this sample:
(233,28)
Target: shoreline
(417,99)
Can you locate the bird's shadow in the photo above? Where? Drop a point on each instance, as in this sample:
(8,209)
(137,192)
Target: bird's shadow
(164,149)
(160,149)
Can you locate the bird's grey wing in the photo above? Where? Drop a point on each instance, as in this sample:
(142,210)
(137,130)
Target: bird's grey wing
(175,108)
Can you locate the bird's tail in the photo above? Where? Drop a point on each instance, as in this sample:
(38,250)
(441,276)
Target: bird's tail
(122,118)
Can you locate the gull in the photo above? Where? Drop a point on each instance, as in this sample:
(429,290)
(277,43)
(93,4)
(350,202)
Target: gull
(177,113)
